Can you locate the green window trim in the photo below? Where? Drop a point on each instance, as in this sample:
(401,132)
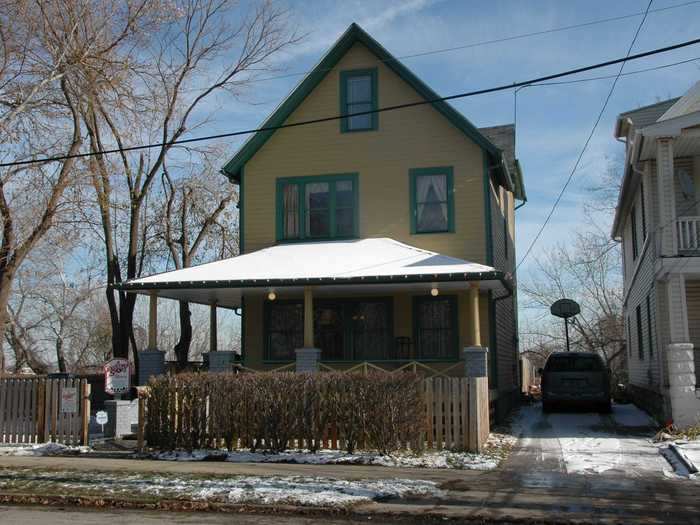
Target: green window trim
(414,173)
(344,76)
(302,182)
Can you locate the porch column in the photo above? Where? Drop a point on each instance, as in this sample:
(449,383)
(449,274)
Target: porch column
(474,355)
(667,197)
(213,335)
(153,322)
(152,360)
(308,318)
(308,357)
(474,330)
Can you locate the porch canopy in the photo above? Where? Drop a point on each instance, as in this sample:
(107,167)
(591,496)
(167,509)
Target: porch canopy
(377,265)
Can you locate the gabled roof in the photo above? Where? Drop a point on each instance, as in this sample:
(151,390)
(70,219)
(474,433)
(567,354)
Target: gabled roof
(643,116)
(688,103)
(351,36)
(503,137)
(362,262)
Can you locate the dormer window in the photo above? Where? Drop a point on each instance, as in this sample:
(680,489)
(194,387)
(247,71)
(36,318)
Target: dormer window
(358,93)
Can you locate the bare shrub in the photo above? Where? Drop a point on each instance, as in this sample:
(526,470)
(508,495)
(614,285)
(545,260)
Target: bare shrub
(276,411)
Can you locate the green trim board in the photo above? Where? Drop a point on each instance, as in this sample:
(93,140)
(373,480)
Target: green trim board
(413,174)
(241,214)
(352,35)
(487,212)
(302,182)
(454,321)
(374,98)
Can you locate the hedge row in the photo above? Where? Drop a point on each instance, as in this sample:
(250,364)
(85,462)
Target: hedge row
(277,411)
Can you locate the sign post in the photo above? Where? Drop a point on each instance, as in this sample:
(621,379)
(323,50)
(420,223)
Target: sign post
(117,377)
(565,308)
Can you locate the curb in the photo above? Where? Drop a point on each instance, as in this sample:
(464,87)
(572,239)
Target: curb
(682,458)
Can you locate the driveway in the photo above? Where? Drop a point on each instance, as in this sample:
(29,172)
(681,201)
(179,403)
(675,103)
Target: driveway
(580,442)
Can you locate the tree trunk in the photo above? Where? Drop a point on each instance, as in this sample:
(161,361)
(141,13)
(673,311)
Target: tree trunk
(60,356)
(182,348)
(6,276)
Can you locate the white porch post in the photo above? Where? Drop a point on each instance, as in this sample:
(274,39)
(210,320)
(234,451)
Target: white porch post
(667,196)
(680,356)
(474,338)
(213,334)
(308,357)
(153,322)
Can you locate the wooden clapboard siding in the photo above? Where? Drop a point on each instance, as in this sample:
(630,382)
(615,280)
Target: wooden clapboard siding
(30,411)
(692,294)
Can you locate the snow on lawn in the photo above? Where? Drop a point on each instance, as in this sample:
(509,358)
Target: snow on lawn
(294,490)
(592,443)
(439,460)
(43,449)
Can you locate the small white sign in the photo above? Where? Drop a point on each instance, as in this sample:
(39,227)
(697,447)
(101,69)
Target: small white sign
(117,376)
(101,417)
(69,400)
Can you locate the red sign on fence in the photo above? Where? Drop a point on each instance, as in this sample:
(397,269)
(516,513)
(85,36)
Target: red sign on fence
(117,376)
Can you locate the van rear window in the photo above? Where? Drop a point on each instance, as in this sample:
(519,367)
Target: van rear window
(571,363)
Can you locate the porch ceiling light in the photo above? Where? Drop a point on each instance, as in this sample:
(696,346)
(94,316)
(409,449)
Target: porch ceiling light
(434,291)
(272,295)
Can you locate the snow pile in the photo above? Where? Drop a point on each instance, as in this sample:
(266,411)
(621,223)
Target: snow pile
(438,460)
(293,490)
(592,443)
(44,449)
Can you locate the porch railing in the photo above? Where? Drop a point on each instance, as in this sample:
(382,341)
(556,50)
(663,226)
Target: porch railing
(688,234)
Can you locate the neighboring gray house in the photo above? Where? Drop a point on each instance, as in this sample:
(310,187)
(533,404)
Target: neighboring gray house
(658,222)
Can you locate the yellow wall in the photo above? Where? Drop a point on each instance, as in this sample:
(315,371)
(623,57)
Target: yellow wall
(410,138)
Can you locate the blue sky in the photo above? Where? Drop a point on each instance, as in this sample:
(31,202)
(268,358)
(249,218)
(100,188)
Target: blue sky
(552,122)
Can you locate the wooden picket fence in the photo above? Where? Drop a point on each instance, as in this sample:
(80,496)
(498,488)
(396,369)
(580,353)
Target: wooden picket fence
(456,417)
(33,410)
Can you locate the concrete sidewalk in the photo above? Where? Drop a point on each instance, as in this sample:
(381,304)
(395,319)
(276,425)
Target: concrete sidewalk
(500,495)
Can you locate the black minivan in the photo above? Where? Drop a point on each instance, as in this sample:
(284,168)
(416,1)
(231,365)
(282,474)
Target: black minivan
(575,378)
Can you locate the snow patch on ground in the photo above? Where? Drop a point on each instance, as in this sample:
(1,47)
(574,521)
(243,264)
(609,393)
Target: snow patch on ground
(294,490)
(437,460)
(592,443)
(43,449)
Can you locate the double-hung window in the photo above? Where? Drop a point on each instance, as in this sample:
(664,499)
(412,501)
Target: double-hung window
(432,200)
(321,207)
(358,94)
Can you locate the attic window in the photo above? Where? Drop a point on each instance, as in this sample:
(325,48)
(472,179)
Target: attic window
(358,93)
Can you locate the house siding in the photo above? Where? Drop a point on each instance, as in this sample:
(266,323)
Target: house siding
(411,138)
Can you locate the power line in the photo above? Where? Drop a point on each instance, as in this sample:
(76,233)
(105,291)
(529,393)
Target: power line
(396,107)
(497,40)
(585,145)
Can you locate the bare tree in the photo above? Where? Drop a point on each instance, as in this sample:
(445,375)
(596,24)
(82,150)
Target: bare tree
(43,48)
(200,48)
(588,271)
(198,225)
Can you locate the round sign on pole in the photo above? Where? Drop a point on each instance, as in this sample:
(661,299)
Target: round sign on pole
(565,308)
(101,417)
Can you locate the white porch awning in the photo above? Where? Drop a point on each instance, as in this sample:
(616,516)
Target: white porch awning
(379,265)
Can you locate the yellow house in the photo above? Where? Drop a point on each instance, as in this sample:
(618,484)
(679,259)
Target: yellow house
(379,236)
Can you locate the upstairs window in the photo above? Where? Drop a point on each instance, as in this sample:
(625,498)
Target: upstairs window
(432,202)
(358,93)
(323,207)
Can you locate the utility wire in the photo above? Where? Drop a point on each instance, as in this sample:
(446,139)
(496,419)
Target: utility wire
(498,40)
(484,91)
(588,141)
